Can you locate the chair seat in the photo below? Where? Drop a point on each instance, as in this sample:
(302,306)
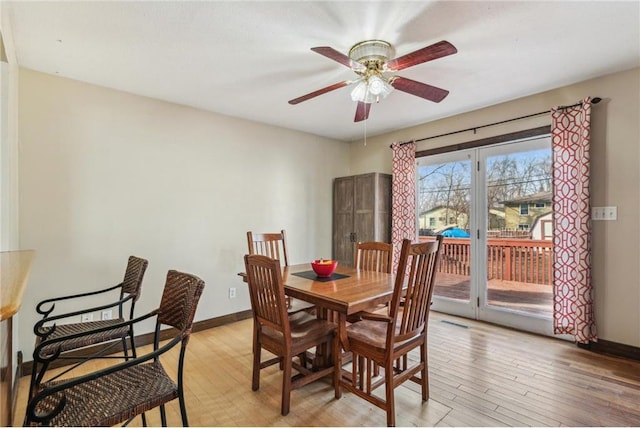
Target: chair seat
(297,305)
(381,309)
(114,398)
(305,328)
(371,335)
(85,340)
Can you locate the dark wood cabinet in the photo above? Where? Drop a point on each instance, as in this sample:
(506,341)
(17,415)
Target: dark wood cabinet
(361,212)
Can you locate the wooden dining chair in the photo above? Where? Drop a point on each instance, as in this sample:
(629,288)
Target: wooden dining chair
(373,255)
(285,335)
(120,392)
(71,336)
(385,340)
(274,245)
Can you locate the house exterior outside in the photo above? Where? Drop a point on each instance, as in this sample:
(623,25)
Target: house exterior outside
(542,227)
(440,217)
(522,213)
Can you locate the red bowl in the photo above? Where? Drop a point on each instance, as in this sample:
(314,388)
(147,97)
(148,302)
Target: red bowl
(324,268)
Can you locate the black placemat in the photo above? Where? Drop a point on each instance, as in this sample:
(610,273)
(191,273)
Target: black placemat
(309,274)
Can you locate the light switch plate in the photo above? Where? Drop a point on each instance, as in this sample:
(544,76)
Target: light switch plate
(611,213)
(604,213)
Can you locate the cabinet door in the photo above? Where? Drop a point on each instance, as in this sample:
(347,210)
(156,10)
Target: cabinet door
(365,206)
(343,203)
(383,193)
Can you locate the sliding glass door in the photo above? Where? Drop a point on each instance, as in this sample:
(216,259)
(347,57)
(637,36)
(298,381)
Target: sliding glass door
(493,207)
(444,204)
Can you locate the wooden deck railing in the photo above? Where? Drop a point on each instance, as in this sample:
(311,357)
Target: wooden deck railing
(522,260)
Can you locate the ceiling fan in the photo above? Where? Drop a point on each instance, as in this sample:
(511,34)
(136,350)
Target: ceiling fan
(370,60)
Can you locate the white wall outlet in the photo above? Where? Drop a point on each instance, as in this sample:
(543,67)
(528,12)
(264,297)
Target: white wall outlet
(87,317)
(107,315)
(232,292)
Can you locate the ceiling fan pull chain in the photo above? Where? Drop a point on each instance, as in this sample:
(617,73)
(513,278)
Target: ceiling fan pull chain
(365,133)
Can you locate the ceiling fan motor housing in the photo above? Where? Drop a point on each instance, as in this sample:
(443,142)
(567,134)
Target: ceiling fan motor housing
(373,54)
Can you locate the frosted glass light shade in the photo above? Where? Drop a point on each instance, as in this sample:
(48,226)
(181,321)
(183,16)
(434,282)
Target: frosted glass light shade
(371,89)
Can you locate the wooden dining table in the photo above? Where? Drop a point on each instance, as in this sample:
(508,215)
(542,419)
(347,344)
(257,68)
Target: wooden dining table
(347,292)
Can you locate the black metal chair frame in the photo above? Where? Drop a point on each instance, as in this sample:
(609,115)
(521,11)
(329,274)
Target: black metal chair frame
(57,391)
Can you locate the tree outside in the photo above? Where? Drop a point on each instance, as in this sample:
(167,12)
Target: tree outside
(447,187)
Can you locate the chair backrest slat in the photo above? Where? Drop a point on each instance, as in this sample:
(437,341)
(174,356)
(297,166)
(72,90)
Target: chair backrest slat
(273,245)
(416,271)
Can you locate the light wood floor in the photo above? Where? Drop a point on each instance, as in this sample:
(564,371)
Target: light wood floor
(481,375)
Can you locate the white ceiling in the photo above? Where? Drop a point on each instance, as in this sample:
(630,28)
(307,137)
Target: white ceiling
(248,58)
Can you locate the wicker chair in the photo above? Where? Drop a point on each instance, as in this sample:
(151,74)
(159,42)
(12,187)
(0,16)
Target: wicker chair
(385,340)
(285,335)
(70,337)
(122,391)
(274,245)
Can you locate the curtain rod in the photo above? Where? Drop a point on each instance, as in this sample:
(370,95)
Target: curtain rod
(595,100)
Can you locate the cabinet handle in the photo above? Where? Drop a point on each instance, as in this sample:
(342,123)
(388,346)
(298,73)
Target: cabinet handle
(352,237)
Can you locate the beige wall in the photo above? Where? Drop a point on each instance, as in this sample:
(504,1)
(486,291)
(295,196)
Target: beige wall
(8,137)
(615,162)
(9,215)
(106,174)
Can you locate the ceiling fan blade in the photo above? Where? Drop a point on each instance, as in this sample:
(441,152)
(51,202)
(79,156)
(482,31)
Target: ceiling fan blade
(362,111)
(333,54)
(320,92)
(419,89)
(435,51)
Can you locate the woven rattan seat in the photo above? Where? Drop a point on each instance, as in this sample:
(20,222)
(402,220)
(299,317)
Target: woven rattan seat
(122,391)
(144,387)
(65,330)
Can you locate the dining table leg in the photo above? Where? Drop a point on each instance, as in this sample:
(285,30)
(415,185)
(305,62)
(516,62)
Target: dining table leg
(342,331)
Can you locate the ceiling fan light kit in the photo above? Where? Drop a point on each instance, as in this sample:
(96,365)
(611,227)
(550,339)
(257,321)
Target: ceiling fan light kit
(370,61)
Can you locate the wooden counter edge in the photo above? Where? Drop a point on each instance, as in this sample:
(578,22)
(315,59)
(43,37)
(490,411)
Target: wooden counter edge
(15,267)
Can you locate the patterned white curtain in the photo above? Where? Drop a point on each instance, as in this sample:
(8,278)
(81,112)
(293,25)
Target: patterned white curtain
(403,196)
(573,293)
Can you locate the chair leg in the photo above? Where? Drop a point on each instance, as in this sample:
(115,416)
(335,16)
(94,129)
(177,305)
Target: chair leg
(257,351)
(425,372)
(286,385)
(337,366)
(389,392)
(183,409)
(124,348)
(144,419)
(163,416)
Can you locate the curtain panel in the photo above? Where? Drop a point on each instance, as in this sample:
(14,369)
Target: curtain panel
(403,196)
(572,288)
